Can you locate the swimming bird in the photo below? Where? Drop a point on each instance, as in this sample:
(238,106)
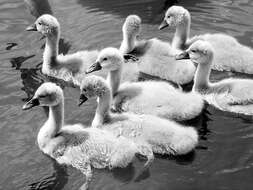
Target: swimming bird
(70,67)
(146,97)
(233,94)
(156,56)
(162,135)
(229,54)
(76,145)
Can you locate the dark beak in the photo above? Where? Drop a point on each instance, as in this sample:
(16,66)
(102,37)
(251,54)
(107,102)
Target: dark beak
(128,57)
(95,67)
(183,55)
(82,99)
(31,103)
(31,28)
(163,25)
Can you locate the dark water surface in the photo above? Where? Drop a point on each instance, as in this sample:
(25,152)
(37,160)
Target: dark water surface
(224,157)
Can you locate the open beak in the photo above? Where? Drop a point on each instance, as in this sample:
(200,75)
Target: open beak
(32,28)
(128,57)
(163,25)
(94,67)
(82,99)
(31,103)
(183,55)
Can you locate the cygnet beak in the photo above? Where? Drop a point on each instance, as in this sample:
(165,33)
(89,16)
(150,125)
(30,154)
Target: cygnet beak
(128,57)
(31,103)
(94,67)
(82,99)
(32,27)
(183,55)
(163,25)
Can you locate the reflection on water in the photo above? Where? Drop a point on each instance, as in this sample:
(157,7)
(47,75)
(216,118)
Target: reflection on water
(56,181)
(223,158)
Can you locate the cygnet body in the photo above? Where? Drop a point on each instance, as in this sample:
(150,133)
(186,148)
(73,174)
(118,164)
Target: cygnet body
(156,57)
(233,94)
(146,97)
(229,54)
(74,144)
(161,135)
(71,67)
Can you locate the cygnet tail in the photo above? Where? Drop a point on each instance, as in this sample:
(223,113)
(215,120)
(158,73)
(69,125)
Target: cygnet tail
(185,141)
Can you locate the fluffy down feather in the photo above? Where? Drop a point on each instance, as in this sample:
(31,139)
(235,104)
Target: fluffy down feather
(229,54)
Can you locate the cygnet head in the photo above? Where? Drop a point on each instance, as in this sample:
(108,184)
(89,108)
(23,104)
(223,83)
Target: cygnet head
(200,52)
(92,86)
(46,25)
(132,25)
(109,58)
(174,16)
(48,94)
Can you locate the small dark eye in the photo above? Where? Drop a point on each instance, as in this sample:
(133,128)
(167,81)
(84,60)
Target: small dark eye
(84,90)
(105,59)
(42,96)
(40,23)
(193,51)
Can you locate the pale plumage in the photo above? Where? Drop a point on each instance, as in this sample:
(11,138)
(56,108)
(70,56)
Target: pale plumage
(148,97)
(163,136)
(233,94)
(71,67)
(229,54)
(129,29)
(75,145)
(158,98)
(156,57)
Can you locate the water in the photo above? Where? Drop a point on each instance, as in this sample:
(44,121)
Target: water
(224,157)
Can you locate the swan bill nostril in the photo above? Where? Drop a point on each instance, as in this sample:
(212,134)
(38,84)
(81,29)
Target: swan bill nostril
(82,99)
(32,27)
(163,25)
(31,103)
(95,67)
(183,55)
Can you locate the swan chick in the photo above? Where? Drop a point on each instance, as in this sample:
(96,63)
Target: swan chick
(70,67)
(229,54)
(74,144)
(146,97)
(156,57)
(130,30)
(163,136)
(232,94)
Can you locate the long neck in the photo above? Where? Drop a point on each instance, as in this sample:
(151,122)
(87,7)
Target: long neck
(113,79)
(53,125)
(51,52)
(103,109)
(182,34)
(201,79)
(128,43)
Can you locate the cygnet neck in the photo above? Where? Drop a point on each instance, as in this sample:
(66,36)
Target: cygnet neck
(128,43)
(201,78)
(103,108)
(53,124)
(182,34)
(114,77)
(51,51)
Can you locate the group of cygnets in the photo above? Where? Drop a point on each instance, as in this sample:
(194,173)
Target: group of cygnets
(138,117)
